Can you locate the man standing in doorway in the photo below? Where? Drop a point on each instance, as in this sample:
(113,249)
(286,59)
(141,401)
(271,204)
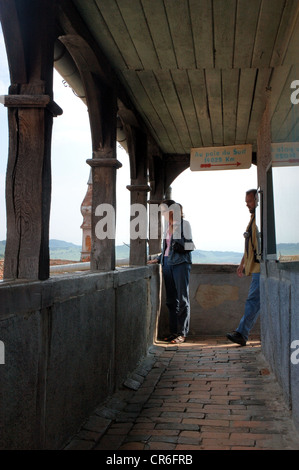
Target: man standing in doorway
(251,265)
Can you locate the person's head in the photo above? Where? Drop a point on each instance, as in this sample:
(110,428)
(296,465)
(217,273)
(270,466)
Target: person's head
(171,210)
(251,200)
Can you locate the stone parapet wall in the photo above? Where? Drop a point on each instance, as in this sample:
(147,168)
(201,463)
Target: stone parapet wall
(70,342)
(280,329)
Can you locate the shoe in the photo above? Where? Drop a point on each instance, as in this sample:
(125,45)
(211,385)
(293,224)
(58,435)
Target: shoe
(236,337)
(169,338)
(179,339)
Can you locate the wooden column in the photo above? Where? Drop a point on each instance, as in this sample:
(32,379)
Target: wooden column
(28,28)
(102,255)
(102,108)
(156,196)
(265,183)
(103,122)
(138,246)
(101,98)
(137,149)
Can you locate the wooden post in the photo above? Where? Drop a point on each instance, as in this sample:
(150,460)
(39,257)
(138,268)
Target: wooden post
(102,255)
(137,149)
(157,192)
(138,246)
(101,98)
(102,108)
(28,29)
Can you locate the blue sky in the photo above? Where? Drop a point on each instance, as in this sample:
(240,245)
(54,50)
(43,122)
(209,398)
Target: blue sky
(214,202)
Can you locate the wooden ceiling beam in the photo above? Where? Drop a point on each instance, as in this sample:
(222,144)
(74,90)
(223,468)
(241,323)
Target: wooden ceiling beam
(72,24)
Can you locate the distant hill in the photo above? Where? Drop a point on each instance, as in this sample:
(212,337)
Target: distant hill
(58,244)
(216,257)
(288,248)
(60,249)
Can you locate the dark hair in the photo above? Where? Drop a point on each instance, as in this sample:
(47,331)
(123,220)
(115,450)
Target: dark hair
(251,191)
(170,202)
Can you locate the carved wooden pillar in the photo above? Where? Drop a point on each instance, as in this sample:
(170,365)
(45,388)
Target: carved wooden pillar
(138,246)
(103,205)
(156,196)
(137,149)
(28,29)
(102,106)
(101,101)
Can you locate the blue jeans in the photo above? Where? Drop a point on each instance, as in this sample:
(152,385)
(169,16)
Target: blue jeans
(176,280)
(252,307)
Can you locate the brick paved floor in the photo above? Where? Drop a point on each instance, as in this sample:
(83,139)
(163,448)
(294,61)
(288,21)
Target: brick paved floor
(204,394)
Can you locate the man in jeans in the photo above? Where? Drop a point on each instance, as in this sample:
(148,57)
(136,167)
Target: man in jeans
(251,265)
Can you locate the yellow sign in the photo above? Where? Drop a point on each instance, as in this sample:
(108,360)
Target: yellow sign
(221,158)
(285,154)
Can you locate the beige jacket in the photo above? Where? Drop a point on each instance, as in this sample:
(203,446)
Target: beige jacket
(250,263)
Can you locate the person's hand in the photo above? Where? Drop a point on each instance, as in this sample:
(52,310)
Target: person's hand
(240,270)
(152,261)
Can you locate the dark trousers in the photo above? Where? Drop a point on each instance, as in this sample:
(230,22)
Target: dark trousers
(176,280)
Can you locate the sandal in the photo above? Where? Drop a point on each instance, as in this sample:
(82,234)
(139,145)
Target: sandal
(178,339)
(170,337)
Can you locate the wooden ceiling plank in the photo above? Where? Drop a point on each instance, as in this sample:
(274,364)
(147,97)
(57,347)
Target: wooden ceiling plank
(224,32)
(159,29)
(283,106)
(288,22)
(198,87)
(278,80)
(202,29)
(246,24)
(132,14)
(171,99)
(267,31)
(287,131)
(246,90)
(140,99)
(293,136)
(114,24)
(182,85)
(179,49)
(213,81)
(181,33)
(230,88)
(292,57)
(150,84)
(97,26)
(259,103)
